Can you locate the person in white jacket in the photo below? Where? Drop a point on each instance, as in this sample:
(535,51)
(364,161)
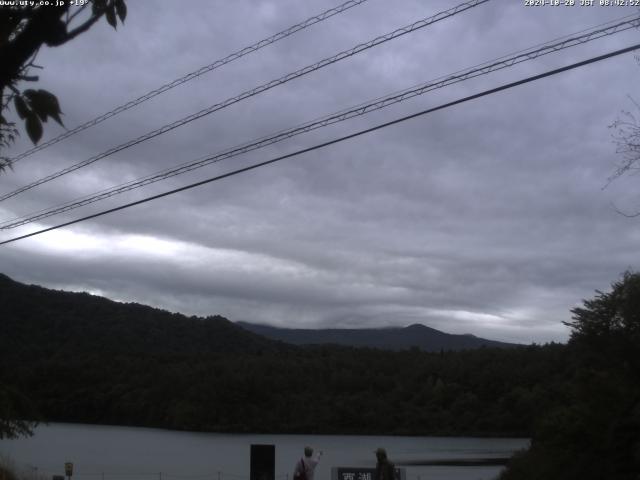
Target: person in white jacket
(306,465)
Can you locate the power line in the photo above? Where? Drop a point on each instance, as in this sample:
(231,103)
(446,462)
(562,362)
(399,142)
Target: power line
(337,140)
(362,109)
(257,90)
(192,75)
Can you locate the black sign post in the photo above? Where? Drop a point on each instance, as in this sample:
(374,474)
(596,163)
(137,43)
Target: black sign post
(263,462)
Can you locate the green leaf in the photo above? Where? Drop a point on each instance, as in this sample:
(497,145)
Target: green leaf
(34,128)
(110,14)
(44,104)
(121,10)
(21,106)
(36,104)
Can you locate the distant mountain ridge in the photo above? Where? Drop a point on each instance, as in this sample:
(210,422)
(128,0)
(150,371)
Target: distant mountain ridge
(425,338)
(47,320)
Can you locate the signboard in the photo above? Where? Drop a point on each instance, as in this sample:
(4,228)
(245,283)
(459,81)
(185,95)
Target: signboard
(362,473)
(68,469)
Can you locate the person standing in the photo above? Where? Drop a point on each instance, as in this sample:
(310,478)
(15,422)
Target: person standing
(385,469)
(306,465)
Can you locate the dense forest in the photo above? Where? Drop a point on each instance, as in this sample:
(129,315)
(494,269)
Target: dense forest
(81,358)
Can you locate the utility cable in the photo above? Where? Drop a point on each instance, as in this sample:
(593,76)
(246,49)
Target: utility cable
(257,90)
(336,140)
(192,75)
(359,110)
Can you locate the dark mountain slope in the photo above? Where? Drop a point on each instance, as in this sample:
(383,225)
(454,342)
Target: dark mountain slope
(425,338)
(37,320)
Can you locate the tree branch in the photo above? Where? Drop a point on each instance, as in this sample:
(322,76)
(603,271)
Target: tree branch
(83,28)
(36,31)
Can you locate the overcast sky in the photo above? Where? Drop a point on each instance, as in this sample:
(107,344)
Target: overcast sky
(487,218)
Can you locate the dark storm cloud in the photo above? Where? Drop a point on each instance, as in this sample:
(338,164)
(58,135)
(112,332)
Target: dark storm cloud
(487,218)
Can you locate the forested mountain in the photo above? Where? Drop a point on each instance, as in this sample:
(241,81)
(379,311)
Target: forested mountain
(83,358)
(413,336)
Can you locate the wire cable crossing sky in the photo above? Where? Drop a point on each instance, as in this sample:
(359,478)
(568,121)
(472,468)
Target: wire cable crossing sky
(192,75)
(337,140)
(472,72)
(415,26)
(488,218)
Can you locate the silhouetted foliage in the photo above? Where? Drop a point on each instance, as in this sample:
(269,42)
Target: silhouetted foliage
(594,433)
(627,140)
(24,28)
(6,471)
(17,414)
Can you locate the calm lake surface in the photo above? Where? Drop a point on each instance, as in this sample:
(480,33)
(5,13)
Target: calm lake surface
(126,453)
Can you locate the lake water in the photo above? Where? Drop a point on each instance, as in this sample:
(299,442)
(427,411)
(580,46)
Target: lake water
(127,453)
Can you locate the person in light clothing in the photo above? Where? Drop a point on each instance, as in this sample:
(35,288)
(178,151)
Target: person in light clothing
(307,465)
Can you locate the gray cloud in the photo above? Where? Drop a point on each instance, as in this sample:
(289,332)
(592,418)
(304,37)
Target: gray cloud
(487,218)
